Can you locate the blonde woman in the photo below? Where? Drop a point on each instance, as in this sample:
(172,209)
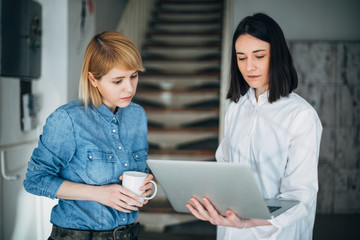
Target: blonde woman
(87,144)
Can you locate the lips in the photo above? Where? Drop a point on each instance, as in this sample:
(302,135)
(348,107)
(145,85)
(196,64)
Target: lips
(126,98)
(253,76)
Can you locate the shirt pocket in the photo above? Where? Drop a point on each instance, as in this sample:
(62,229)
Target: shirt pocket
(100,166)
(140,158)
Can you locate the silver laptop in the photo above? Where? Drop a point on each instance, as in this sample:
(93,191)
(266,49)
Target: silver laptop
(227,185)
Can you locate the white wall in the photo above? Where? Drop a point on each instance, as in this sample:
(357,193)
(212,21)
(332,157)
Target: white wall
(63,45)
(78,38)
(307,19)
(108,14)
(52,85)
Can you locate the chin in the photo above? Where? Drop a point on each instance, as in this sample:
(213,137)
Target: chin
(123,105)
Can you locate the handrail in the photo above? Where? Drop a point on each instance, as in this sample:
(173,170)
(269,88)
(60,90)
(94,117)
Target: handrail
(135,19)
(2,158)
(3,173)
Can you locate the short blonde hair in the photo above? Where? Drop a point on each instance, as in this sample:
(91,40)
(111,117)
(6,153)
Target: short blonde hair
(105,51)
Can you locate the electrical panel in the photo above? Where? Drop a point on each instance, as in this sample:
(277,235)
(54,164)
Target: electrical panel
(20,39)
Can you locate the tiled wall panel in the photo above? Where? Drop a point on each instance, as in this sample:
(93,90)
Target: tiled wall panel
(329,79)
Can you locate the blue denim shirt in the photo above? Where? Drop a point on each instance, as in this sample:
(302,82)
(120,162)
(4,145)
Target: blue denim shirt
(93,147)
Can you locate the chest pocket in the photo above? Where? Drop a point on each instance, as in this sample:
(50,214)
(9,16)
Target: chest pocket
(140,159)
(100,166)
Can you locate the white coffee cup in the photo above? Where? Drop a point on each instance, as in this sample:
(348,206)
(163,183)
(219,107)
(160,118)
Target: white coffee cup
(133,180)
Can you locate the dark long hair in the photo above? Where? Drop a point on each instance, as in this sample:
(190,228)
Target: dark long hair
(282,74)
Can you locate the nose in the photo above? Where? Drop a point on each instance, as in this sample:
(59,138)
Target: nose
(128,86)
(250,65)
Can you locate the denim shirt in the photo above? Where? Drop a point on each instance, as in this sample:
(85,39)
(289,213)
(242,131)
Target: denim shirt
(95,147)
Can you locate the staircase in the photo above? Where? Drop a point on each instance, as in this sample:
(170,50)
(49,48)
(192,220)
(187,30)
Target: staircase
(180,88)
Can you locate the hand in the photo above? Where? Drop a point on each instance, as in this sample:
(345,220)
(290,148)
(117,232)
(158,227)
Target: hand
(119,198)
(209,213)
(147,187)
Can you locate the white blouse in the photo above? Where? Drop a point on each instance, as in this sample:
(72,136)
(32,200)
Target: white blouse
(280,141)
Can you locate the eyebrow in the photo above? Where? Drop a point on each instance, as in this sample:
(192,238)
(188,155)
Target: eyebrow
(256,51)
(121,77)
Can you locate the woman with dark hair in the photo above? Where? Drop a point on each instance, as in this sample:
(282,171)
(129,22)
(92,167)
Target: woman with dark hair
(272,129)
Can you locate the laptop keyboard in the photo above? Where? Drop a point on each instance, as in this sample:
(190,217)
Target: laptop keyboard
(273,208)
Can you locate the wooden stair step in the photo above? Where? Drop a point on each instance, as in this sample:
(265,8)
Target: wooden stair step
(186,28)
(213,57)
(173,236)
(162,206)
(187,17)
(176,83)
(182,45)
(186,21)
(198,74)
(175,131)
(183,33)
(189,6)
(186,155)
(189,1)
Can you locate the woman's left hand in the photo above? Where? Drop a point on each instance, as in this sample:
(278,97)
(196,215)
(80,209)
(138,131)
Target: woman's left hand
(209,213)
(147,187)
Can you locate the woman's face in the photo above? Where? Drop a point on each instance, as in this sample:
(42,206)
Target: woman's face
(253,59)
(117,87)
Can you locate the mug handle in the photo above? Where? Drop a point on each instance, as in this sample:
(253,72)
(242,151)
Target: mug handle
(155,191)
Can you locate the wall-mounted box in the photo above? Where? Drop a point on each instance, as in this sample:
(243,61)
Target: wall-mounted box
(20,39)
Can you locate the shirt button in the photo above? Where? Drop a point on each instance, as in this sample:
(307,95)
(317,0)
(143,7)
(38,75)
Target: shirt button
(120,148)
(136,156)
(90,157)
(114,130)
(123,219)
(114,118)
(110,157)
(125,164)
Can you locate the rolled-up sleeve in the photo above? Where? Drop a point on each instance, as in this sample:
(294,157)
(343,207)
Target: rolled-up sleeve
(55,150)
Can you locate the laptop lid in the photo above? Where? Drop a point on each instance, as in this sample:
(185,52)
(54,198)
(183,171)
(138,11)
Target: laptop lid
(227,185)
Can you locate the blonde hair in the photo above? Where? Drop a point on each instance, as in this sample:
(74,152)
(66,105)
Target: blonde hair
(105,51)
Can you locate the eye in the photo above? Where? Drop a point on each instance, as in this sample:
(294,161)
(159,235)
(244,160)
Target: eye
(117,82)
(134,76)
(242,58)
(260,56)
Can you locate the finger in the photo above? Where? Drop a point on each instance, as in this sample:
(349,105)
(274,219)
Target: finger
(120,209)
(121,205)
(210,207)
(145,202)
(217,219)
(131,202)
(148,178)
(121,177)
(195,212)
(146,194)
(146,187)
(132,198)
(233,218)
(200,208)
(129,206)
(129,193)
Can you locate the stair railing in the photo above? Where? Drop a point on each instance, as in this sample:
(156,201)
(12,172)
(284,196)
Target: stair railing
(225,64)
(135,20)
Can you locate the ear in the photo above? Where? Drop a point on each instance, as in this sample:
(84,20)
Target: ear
(92,80)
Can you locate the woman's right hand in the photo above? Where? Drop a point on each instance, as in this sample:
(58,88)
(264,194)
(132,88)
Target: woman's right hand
(118,197)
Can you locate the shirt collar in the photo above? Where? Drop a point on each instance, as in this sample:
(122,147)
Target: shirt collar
(263,98)
(106,114)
